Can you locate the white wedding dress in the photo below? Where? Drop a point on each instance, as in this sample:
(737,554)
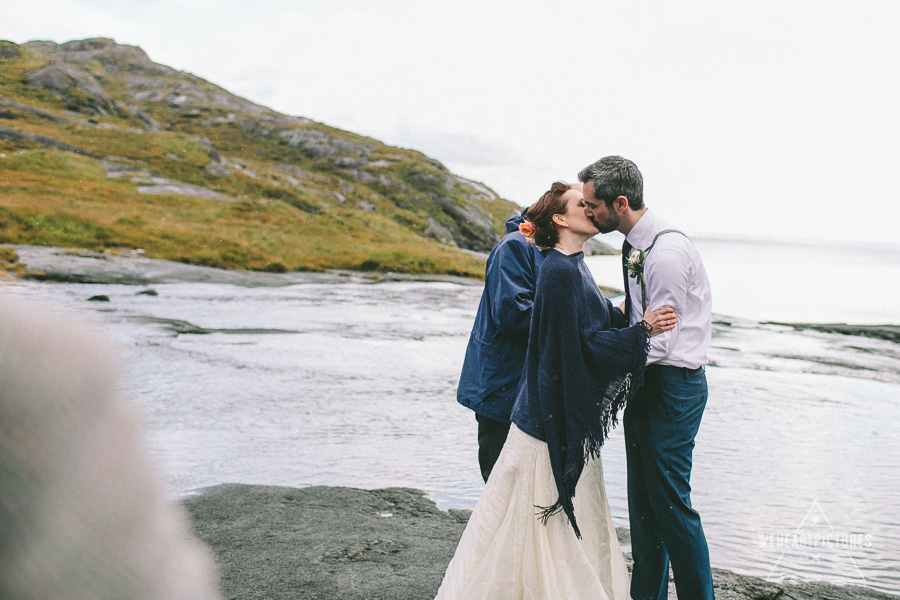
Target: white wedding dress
(506,553)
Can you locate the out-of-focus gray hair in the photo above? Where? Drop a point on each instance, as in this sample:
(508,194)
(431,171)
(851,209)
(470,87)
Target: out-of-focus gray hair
(83,514)
(614,176)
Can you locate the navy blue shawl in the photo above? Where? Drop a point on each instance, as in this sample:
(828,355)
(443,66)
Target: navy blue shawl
(578,372)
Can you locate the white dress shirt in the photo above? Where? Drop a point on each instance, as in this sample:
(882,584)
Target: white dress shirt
(674,276)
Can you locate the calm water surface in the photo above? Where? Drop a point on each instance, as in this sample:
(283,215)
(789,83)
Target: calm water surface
(350,382)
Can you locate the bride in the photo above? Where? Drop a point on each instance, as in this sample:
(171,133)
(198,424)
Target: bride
(542,529)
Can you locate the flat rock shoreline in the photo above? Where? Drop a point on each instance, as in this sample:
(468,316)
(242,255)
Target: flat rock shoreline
(341,543)
(65,265)
(890,333)
(86,266)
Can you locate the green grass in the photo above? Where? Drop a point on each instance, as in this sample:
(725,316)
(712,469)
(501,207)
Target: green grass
(60,199)
(50,197)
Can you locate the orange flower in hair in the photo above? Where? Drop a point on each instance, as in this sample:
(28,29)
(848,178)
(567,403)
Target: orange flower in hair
(527,229)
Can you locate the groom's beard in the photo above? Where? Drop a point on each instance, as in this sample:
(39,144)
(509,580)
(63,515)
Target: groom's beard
(610,223)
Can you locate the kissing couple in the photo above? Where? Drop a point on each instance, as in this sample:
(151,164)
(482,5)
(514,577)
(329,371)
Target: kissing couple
(549,365)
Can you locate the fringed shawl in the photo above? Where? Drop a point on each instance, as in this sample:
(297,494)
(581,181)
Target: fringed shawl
(579,372)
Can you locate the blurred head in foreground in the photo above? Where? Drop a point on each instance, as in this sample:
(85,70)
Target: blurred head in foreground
(82,512)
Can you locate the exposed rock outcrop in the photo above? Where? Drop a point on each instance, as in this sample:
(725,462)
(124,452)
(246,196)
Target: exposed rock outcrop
(14,135)
(339,543)
(79,90)
(220,146)
(44,114)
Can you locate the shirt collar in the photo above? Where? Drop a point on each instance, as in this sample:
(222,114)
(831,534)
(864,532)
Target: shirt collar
(641,235)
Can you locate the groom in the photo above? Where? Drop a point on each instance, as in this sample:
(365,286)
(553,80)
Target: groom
(662,419)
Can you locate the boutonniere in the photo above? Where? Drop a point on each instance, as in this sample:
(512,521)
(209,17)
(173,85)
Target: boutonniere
(635,264)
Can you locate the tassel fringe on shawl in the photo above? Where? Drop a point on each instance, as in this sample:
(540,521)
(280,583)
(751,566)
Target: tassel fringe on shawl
(579,369)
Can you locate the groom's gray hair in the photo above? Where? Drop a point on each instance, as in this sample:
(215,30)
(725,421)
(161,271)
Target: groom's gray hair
(614,176)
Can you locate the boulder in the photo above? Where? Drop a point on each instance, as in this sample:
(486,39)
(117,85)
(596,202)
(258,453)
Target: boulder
(474,223)
(318,144)
(79,90)
(8,51)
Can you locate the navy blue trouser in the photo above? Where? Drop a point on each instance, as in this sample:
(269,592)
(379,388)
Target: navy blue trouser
(661,422)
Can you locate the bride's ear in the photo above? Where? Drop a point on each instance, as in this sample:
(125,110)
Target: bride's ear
(558,220)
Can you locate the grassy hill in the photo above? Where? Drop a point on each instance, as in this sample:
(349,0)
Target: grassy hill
(102,148)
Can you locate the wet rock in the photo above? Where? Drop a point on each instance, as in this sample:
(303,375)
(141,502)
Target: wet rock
(185,328)
(68,266)
(461,515)
(324,543)
(99,298)
(340,543)
(890,333)
(147,293)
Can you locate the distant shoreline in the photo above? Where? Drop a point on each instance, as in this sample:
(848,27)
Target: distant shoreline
(66,265)
(890,333)
(70,265)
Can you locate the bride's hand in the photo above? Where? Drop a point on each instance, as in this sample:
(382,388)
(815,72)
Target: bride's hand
(660,320)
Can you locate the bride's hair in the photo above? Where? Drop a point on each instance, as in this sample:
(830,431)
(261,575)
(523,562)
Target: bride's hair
(541,214)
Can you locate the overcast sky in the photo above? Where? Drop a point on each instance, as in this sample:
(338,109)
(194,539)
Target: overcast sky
(771,118)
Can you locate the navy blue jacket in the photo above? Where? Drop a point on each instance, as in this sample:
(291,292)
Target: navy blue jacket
(496,353)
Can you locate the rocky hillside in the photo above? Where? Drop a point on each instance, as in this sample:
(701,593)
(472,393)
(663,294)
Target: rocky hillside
(102,148)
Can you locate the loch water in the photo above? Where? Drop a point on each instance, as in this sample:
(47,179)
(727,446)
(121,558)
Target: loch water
(347,380)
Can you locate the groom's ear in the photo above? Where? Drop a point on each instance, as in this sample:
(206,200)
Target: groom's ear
(621,203)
